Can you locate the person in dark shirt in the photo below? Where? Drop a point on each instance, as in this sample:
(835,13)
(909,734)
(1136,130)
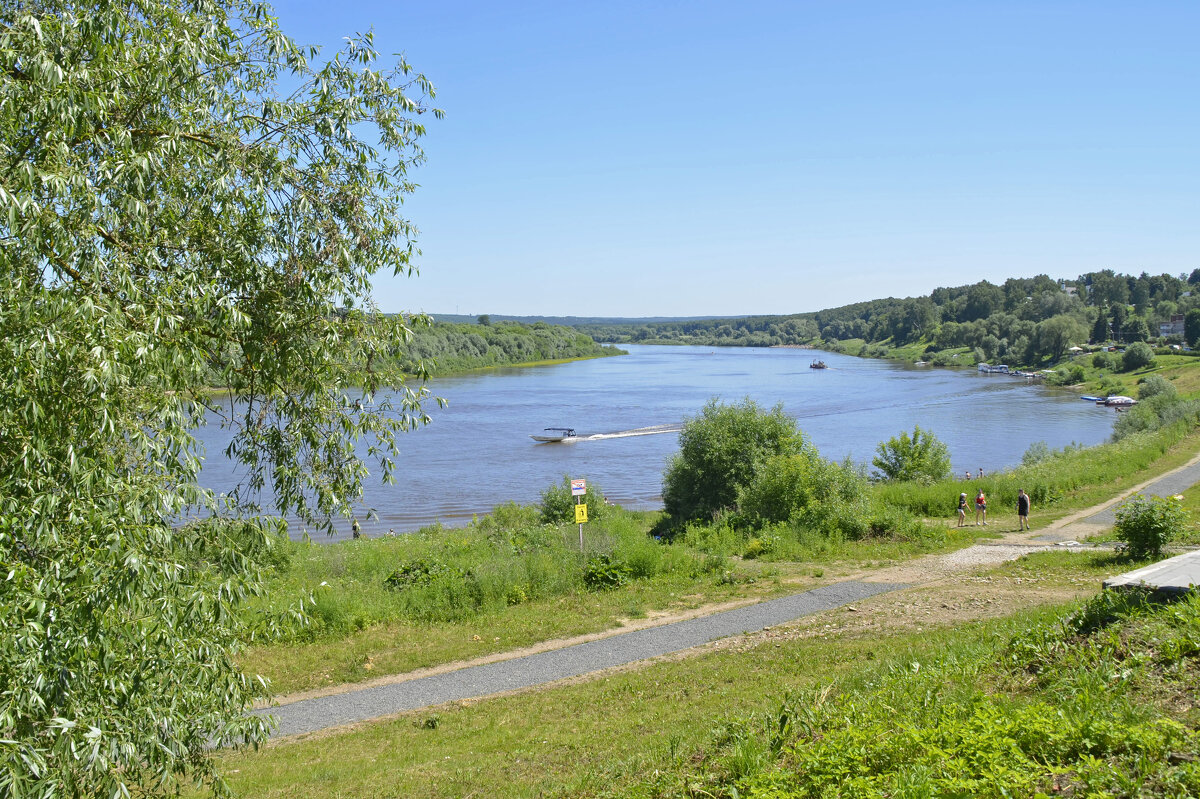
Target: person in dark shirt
(1023,509)
(962,510)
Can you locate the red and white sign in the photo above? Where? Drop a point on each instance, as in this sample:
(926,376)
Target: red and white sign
(578,488)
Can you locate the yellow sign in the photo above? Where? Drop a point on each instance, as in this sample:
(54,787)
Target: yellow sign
(581,513)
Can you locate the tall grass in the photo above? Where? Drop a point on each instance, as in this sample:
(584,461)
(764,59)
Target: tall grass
(436,575)
(1083,703)
(1046,481)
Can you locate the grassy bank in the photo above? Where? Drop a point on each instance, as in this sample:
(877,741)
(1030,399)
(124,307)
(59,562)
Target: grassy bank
(514,579)
(1003,657)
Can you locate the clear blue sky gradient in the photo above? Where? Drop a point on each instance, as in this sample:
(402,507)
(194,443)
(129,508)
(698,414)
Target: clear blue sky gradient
(721,158)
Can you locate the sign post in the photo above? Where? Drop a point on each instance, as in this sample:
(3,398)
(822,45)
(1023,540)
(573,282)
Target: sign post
(579,489)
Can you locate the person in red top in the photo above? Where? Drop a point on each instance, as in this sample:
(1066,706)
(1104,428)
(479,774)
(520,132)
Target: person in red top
(980,508)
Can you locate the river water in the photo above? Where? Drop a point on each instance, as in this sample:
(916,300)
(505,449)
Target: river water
(477,452)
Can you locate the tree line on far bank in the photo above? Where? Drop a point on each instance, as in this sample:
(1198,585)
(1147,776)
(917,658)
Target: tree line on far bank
(444,347)
(1024,320)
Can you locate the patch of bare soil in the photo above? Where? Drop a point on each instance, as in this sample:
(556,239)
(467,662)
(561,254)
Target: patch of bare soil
(951,600)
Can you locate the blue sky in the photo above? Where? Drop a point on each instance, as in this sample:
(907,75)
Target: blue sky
(703,158)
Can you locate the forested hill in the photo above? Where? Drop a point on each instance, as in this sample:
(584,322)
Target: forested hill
(446,347)
(1024,320)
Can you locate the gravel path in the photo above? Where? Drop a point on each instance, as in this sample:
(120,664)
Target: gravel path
(310,715)
(1167,485)
(318,713)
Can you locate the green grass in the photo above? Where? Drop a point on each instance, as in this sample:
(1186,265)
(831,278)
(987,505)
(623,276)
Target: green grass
(508,581)
(1067,482)
(691,727)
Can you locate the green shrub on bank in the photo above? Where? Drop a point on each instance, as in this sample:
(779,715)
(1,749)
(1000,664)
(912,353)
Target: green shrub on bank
(558,504)
(1137,355)
(788,486)
(1147,524)
(921,456)
(721,450)
(1162,409)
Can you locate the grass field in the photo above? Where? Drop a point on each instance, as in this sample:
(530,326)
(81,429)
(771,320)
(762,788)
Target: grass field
(706,724)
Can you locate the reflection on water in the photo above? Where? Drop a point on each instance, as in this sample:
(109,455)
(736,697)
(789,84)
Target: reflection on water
(627,410)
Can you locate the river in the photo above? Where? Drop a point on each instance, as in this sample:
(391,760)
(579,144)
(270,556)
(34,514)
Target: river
(477,452)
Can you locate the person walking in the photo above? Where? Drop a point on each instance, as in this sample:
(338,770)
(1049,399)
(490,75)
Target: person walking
(962,510)
(1023,509)
(980,508)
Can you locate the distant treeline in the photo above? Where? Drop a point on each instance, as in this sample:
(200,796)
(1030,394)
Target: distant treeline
(1024,320)
(446,347)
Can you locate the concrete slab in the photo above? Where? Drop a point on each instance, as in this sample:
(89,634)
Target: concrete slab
(1177,575)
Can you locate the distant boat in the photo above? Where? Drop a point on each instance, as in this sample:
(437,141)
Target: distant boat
(555,434)
(1119,402)
(1089,398)
(817,365)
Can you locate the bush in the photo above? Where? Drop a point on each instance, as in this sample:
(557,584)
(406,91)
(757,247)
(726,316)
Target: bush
(722,450)
(1146,525)
(1037,452)
(788,484)
(920,457)
(1104,360)
(1137,356)
(1161,410)
(558,505)
(1155,386)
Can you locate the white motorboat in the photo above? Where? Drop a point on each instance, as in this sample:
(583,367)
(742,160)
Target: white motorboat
(553,435)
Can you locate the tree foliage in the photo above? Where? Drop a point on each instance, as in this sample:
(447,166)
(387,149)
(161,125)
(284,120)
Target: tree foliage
(170,212)
(721,450)
(921,456)
(1191,327)
(446,347)
(1137,356)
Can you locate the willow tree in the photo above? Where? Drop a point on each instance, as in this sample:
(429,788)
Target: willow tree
(188,199)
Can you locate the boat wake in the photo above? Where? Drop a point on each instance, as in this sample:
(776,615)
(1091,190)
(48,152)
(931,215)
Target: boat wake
(653,430)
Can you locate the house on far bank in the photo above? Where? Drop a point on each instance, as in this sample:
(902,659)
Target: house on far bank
(1173,327)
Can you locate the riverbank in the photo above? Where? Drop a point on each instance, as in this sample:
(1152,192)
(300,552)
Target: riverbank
(507,581)
(648,731)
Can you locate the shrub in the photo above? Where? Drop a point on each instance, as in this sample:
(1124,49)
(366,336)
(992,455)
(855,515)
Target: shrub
(1155,386)
(722,450)
(788,484)
(1104,360)
(1161,410)
(1146,525)
(1037,452)
(558,505)
(1137,356)
(920,457)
